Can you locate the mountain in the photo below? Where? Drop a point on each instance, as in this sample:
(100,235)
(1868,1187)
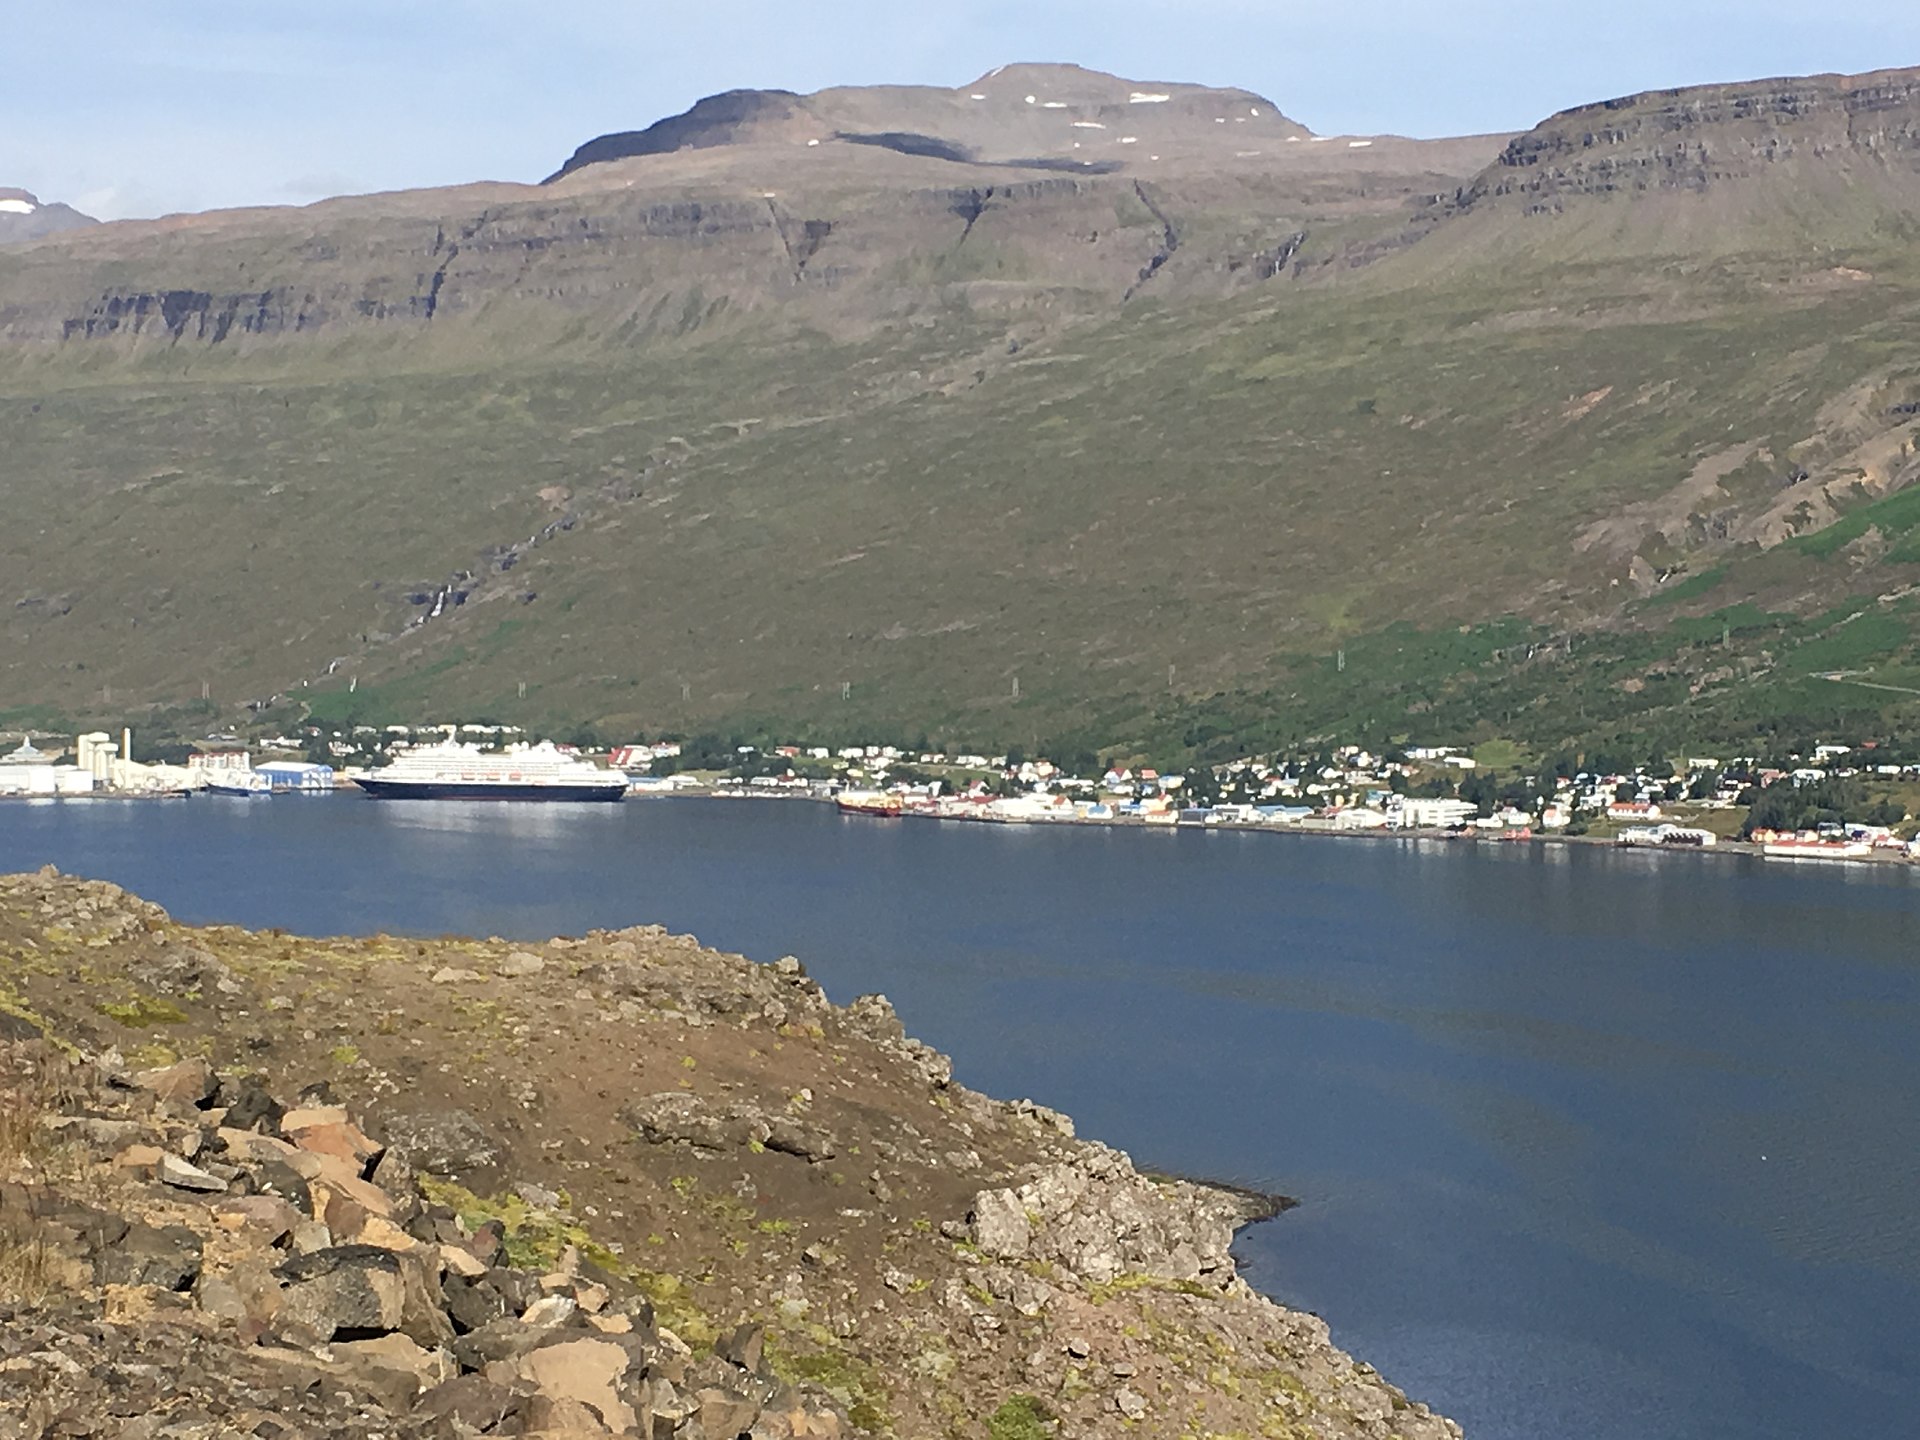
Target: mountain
(1831,159)
(23,217)
(910,195)
(1605,427)
(1019,116)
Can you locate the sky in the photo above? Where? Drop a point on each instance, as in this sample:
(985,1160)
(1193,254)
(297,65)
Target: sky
(147,107)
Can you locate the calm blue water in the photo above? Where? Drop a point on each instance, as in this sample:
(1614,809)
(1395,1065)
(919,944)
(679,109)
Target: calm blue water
(1590,1144)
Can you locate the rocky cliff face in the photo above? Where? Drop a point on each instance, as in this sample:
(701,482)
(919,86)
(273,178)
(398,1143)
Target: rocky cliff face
(1056,192)
(614,1185)
(1698,140)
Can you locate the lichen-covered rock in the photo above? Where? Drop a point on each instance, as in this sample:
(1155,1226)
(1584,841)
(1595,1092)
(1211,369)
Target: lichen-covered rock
(349,1287)
(675,1117)
(450,1143)
(1097,1217)
(1000,1226)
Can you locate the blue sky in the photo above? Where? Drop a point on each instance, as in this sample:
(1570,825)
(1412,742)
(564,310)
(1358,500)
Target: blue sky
(141,107)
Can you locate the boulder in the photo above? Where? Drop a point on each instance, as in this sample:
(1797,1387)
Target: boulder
(874,1017)
(592,1372)
(423,1310)
(184,1176)
(265,1219)
(560,1419)
(999,1225)
(407,1369)
(725,1414)
(790,1137)
(339,1138)
(250,1106)
(96,1132)
(387,1235)
(1099,1218)
(310,1236)
(470,1405)
(335,1181)
(181,970)
(190,1082)
(451,1143)
(476,1303)
(247,1295)
(676,1117)
(166,1256)
(462,1262)
(550,1310)
(308,1116)
(505,1341)
(353,1288)
(140,1157)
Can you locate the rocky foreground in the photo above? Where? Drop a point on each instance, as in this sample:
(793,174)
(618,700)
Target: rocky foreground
(258,1185)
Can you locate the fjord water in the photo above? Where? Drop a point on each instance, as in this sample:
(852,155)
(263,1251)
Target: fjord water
(1589,1144)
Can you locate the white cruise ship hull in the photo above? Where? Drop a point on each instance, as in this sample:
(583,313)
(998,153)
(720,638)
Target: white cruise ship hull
(601,791)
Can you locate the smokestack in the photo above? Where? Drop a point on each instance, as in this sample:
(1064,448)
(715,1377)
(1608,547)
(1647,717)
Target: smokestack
(126,744)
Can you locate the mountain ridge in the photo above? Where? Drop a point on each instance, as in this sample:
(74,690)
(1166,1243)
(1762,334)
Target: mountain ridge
(844,433)
(24,217)
(1019,116)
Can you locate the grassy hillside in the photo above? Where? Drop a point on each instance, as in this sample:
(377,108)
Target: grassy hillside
(1525,489)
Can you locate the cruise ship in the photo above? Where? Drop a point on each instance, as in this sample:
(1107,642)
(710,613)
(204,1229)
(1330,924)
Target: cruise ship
(452,771)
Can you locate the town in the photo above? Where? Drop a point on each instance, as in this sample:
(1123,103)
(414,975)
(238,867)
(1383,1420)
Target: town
(1835,802)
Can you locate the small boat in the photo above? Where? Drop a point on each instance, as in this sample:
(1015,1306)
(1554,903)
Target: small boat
(876,803)
(242,784)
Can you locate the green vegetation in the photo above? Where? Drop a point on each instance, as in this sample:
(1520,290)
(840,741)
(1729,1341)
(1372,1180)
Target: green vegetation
(143,1012)
(1128,1283)
(1694,587)
(1020,1417)
(845,1376)
(536,1239)
(1423,497)
(1894,515)
(1807,807)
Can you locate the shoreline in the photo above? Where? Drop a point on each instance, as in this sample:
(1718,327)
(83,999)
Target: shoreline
(1729,849)
(1726,848)
(710,1133)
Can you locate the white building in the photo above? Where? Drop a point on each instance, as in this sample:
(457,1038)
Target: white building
(29,771)
(120,771)
(1419,814)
